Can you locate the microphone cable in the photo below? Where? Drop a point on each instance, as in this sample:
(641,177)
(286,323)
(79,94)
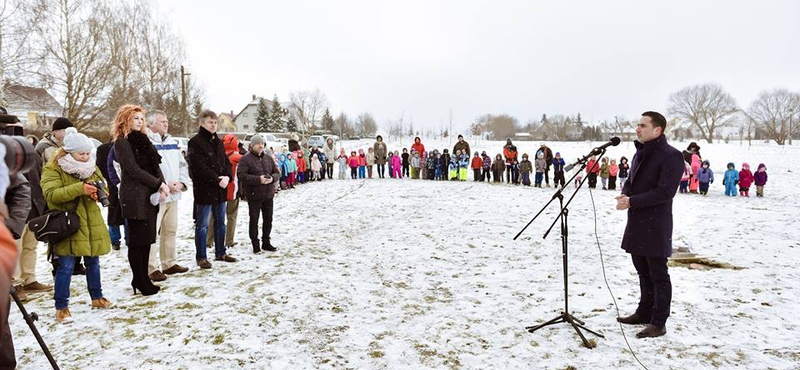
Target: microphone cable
(603,266)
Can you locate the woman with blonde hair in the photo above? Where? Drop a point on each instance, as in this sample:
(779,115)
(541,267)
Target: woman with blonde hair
(142,188)
(69,184)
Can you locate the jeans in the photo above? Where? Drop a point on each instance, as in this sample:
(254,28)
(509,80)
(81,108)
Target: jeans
(655,287)
(329,169)
(116,234)
(362,172)
(201,229)
(63,277)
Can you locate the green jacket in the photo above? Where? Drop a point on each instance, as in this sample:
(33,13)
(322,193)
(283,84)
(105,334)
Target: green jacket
(605,171)
(63,191)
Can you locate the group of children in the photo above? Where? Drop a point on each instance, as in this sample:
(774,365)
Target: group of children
(607,170)
(697,177)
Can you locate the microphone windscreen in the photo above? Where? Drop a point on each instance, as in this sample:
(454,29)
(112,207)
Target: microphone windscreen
(615,141)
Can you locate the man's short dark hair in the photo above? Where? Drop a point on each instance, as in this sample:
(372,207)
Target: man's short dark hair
(657,119)
(206,114)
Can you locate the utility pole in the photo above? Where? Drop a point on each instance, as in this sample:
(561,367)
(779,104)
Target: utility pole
(183,101)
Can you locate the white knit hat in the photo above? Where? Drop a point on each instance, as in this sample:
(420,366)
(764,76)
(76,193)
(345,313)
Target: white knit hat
(76,142)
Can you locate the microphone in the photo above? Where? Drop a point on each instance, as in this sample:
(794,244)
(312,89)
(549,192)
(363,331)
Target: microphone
(614,141)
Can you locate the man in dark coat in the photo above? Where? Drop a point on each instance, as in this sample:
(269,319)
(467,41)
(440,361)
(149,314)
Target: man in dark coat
(210,171)
(656,171)
(114,216)
(258,175)
(461,145)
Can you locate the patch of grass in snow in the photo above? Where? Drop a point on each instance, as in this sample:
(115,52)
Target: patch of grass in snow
(430,356)
(186,306)
(193,292)
(124,320)
(218,339)
(703,262)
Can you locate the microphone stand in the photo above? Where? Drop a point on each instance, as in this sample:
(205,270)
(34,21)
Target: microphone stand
(565,315)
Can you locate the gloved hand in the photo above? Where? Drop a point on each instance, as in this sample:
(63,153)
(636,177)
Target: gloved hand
(723,182)
(90,190)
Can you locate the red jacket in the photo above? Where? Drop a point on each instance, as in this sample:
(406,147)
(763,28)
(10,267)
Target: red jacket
(301,164)
(362,160)
(592,167)
(231,143)
(477,163)
(353,161)
(418,147)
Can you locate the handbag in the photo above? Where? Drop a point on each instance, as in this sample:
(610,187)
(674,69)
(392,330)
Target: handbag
(55,225)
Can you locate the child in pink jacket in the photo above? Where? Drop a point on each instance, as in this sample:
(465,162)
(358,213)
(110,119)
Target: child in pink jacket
(353,162)
(397,165)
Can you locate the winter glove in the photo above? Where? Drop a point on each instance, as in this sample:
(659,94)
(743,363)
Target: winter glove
(723,183)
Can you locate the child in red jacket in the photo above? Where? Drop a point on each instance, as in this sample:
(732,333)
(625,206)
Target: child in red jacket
(745,180)
(476,164)
(353,162)
(301,168)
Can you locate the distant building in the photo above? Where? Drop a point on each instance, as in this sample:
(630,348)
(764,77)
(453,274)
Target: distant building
(245,121)
(523,136)
(226,123)
(34,106)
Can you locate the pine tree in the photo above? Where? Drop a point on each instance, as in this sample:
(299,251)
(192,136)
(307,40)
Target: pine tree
(327,121)
(276,116)
(291,124)
(263,121)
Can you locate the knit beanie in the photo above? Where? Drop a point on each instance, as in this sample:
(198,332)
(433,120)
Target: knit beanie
(76,142)
(61,123)
(257,139)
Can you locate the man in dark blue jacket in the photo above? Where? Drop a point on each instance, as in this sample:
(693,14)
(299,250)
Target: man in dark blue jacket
(655,174)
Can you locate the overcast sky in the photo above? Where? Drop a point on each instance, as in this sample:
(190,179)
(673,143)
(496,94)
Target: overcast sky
(524,58)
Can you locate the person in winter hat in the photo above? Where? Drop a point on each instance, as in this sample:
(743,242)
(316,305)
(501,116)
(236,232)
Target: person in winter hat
(353,162)
(283,166)
(694,184)
(498,167)
(604,172)
(486,167)
(397,165)
(68,184)
(687,176)
(525,169)
(432,165)
(53,140)
(541,168)
(476,165)
(463,165)
(444,165)
(592,170)
(341,161)
(362,164)
(406,162)
(257,174)
(416,164)
(316,167)
(760,178)
(745,180)
(613,171)
(423,165)
(302,166)
(730,180)
(558,170)
(453,169)
(370,161)
(624,168)
(705,177)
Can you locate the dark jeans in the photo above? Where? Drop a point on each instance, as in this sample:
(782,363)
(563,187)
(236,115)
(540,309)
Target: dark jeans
(486,175)
(547,175)
(476,173)
(354,172)
(260,208)
(329,168)
(405,170)
(218,211)
(612,183)
(655,287)
(66,264)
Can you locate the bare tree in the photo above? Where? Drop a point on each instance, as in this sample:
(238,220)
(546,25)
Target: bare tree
(707,107)
(17,58)
(309,107)
(366,125)
(778,112)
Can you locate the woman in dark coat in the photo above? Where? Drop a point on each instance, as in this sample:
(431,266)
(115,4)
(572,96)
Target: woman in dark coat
(141,185)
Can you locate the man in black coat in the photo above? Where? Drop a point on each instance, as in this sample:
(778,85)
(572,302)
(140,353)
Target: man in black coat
(656,171)
(258,175)
(210,171)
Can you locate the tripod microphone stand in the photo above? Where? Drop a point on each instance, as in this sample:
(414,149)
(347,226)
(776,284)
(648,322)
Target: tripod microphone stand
(565,315)
(30,318)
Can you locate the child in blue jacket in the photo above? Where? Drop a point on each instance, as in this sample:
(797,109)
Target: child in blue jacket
(730,180)
(705,176)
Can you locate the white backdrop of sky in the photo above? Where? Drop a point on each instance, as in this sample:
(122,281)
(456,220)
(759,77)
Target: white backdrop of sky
(422,59)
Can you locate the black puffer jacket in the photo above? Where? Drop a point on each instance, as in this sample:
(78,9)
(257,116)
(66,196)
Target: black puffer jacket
(251,167)
(114,210)
(141,175)
(207,162)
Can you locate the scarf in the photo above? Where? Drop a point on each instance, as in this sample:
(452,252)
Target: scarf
(83,170)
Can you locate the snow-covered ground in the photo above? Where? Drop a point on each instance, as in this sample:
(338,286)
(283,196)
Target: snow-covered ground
(402,274)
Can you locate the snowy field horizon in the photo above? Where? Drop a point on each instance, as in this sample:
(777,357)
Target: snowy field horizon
(413,274)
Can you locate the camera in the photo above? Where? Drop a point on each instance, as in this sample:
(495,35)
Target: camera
(102,197)
(20,155)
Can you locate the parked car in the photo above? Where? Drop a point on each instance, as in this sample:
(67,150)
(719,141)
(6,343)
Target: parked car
(316,140)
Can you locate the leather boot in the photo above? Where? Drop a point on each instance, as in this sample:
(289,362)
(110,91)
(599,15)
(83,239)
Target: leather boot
(634,319)
(256,246)
(652,331)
